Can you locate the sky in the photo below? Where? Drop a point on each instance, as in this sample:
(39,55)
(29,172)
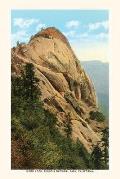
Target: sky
(86,30)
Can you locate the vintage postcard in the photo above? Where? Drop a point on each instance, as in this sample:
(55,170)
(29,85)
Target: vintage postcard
(59,89)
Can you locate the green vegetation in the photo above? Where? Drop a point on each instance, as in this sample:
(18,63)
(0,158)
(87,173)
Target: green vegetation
(84,91)
(96,115)
(99,158)
(68,126)
(96,158)
(36,142)
(105,145)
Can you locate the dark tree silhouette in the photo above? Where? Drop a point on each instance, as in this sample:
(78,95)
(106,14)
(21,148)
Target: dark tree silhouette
(68,126)
(31,90)
(105,145)
(96,158)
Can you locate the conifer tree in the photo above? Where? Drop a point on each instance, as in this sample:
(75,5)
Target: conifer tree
(96,158)
(68,126)
(82,152)
(30,82)
(105,145)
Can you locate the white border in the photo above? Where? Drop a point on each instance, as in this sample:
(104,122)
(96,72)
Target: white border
(5,66)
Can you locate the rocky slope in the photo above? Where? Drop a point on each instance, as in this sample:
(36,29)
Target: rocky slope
(66,89)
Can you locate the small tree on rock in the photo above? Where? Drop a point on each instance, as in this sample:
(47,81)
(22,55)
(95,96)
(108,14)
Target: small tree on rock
(68,126)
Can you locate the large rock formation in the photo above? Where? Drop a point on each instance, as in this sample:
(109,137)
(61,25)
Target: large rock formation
(67,91)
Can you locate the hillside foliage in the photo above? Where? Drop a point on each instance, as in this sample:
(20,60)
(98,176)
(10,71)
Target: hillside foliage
(36,143)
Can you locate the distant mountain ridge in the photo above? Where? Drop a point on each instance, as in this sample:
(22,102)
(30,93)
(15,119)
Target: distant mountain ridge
(99,74)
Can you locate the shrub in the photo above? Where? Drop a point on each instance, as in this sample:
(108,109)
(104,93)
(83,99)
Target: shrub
(96,115)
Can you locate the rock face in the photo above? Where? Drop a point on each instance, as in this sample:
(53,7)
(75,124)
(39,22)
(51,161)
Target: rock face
(66,89)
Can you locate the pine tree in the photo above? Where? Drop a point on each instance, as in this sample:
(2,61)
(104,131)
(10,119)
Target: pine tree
(25,89)
(30,82)
(18,43)
(96,158)
(68,127)
(105,145)
(82,152)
